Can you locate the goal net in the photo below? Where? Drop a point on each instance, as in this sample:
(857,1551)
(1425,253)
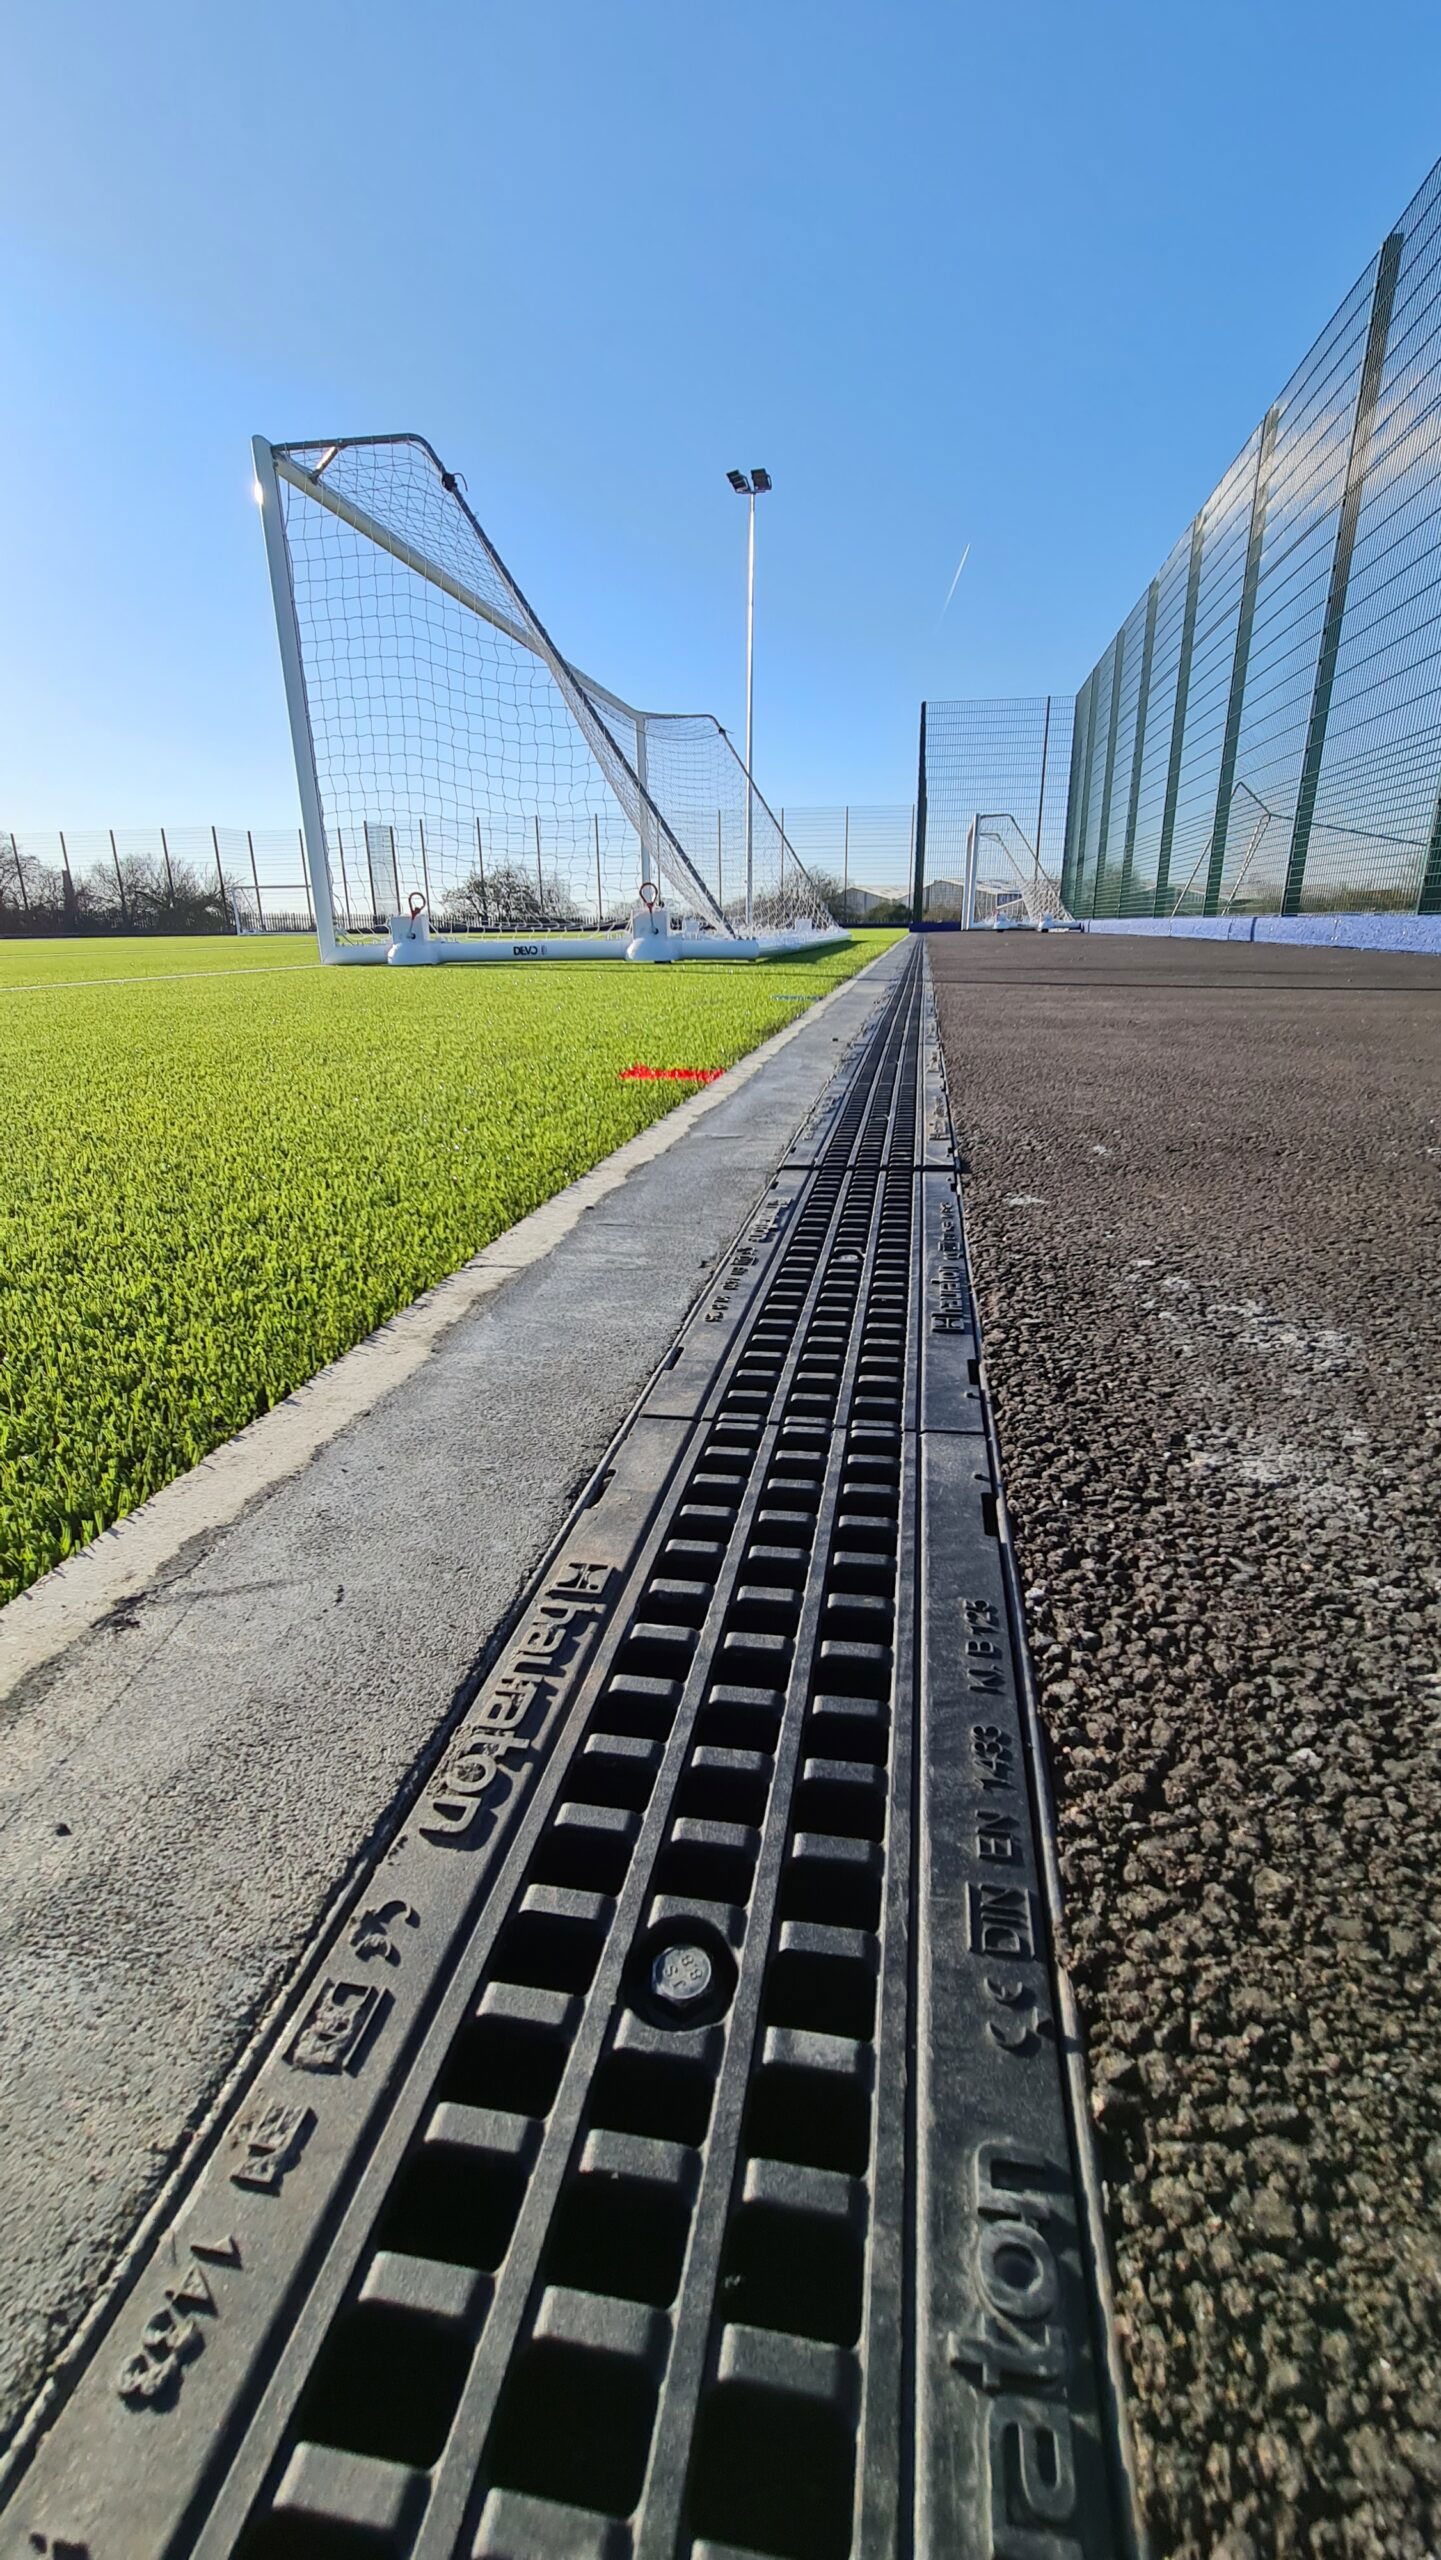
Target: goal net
(1009,881)
(447,751)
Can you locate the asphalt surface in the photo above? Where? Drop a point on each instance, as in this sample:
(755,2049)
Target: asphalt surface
(187,1784)
(1204,1196)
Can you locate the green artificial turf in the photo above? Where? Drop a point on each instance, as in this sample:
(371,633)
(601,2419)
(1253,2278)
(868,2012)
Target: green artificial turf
(222,1165)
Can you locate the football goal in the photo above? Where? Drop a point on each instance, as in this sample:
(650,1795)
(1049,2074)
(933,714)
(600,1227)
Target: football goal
(466,793)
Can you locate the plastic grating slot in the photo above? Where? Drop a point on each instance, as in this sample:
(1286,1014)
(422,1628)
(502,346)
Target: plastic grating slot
(670,2231)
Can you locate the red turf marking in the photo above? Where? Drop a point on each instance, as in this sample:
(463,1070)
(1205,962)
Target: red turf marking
(670,1075)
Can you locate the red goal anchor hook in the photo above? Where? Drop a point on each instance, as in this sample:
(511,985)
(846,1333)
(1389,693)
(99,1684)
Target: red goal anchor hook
(417,904)
(649,896)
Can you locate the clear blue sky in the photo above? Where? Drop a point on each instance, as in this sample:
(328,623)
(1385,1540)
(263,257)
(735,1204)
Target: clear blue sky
(1022,276)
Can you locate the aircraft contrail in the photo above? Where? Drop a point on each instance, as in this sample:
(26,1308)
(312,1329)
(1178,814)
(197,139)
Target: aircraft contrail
(956,580)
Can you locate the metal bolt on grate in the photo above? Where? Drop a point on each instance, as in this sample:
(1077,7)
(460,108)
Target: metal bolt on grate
(673,2151)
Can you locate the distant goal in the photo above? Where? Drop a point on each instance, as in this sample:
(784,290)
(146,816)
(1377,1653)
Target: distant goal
(465,791)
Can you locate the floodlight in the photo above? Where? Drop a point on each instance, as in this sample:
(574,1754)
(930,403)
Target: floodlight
(750,489)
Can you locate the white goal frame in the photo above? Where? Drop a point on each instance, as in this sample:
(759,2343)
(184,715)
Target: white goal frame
(663,860)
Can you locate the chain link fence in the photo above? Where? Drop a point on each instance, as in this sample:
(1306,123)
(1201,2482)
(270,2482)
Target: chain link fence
(1263,734)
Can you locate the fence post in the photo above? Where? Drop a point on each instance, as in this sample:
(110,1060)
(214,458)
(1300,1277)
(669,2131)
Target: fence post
(169,874)
(599,900)
(1226,779)
(1103,837)
(1041,801)
(68,892)
(305,876)
(484,898)
(918,825)
(1138,748)
(1088,776)
(539,883)
(119,881)
(219,874)
(1178,715)
(1073,851)
(1428,902)
(719,876)
(344,876)
(1367,397)
(424,865)
(845,916)
(255,876)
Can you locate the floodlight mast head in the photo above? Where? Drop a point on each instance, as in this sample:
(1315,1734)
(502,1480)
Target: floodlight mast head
(750,489)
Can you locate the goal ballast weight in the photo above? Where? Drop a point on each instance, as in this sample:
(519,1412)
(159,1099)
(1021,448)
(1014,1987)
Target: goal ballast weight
(466,793)
(413,945)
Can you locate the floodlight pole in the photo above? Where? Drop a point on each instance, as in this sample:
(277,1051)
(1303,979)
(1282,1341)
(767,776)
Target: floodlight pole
(750,711)
(751,485)
(303,745)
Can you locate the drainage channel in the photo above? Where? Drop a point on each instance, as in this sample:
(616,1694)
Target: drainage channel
(676,2149)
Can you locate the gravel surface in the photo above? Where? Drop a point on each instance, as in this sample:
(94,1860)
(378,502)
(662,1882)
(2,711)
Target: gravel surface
(1205,1208)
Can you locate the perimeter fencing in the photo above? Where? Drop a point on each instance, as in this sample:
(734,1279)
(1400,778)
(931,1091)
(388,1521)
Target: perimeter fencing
(1263,734)
(213,879)
(991,822)
(97,880)
(863,854)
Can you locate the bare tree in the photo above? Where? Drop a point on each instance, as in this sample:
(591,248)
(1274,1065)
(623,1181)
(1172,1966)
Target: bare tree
(508,899)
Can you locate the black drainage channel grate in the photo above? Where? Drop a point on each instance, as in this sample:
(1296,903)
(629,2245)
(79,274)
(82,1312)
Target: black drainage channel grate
(675,2150)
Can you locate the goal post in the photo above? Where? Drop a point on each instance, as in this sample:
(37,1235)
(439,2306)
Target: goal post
(287,627)
(432,714)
